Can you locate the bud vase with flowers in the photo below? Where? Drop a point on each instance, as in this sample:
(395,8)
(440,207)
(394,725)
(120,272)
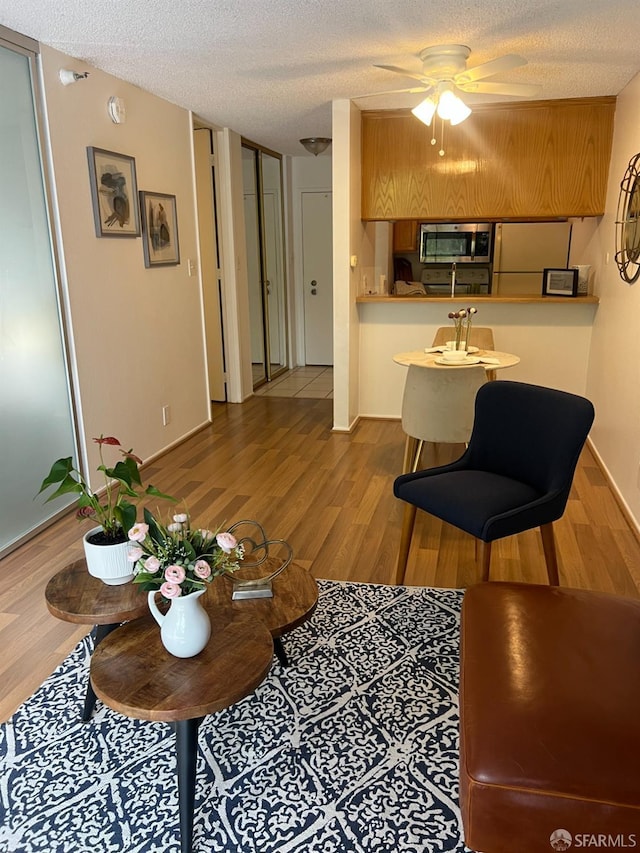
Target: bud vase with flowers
(462,325)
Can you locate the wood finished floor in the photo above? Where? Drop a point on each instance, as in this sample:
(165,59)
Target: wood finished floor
(330,495)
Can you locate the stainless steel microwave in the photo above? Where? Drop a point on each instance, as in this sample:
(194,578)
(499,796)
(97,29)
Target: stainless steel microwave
(463,242)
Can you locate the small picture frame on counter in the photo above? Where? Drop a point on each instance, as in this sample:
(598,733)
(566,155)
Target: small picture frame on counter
(560,282)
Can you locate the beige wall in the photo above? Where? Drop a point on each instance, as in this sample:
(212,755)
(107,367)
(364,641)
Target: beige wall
(136,333)
(613,382)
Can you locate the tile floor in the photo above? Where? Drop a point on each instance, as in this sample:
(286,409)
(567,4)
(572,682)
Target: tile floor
(309,381)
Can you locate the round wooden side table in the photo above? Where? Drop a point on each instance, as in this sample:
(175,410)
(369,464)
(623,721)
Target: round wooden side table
(74,595)
(295,597)
(132,673)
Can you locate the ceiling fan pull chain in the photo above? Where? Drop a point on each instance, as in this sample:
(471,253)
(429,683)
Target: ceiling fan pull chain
(441,151)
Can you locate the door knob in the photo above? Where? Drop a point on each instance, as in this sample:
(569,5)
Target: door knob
(313,291)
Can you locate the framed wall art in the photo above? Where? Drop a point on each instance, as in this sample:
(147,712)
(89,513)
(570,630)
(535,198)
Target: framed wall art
(560,282)
(159,229)
(114,193)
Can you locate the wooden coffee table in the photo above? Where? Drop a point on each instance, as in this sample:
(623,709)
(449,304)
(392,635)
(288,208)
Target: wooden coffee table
(132,673)
(295,597)
(74,595)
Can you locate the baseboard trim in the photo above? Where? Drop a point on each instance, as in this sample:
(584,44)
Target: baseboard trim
(624,507)
(347,430)
(176,443)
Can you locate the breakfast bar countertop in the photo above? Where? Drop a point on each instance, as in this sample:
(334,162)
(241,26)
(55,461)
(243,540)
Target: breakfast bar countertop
(484,299)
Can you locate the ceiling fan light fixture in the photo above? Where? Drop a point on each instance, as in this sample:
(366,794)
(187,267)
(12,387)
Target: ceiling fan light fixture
(451,108)
(425,110)
(460,113)
(316,144)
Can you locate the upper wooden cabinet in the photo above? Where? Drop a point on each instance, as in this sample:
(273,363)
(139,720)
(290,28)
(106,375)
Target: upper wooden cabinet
(536,160)
(405,236)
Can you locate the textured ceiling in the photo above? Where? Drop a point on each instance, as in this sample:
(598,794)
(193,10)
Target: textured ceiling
(269,69)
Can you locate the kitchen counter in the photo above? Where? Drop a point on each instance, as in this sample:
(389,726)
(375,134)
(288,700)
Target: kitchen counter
(479,298)
(550,334)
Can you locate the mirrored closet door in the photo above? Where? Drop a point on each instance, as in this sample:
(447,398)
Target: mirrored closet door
(263,213)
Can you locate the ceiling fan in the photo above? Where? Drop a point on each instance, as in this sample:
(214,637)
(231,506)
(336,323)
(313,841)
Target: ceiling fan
(447,64)
(444,69)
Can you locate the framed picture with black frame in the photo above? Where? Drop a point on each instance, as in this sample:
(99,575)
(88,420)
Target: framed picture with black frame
(114,193)
(159,229)
(559,282)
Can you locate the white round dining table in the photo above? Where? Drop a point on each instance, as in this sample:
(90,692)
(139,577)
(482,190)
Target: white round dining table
(495,360)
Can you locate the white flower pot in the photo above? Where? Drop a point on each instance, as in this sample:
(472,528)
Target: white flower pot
(109,563)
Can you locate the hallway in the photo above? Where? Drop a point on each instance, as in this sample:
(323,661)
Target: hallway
(308,382)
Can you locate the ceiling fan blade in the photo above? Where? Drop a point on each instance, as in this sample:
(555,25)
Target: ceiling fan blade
(404,71)
(394,92)
(488,69)
(517,90)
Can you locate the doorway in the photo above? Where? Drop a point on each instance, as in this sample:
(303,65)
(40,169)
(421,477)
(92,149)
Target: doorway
(263,215)
(317,273)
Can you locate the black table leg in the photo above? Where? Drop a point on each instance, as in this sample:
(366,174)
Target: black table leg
(280,652)
(187,754)
(98,633)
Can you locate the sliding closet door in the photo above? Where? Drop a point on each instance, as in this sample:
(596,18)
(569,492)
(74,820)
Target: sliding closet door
(274,261)
(254,266)
(263,221)
(36,425)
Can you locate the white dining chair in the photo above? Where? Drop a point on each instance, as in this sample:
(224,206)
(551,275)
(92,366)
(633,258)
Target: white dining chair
(438,406)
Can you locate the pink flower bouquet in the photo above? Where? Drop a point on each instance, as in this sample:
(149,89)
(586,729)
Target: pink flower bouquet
(177,559)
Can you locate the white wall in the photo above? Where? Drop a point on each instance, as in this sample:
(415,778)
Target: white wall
(552,341)
(613,382)
(136,333)
(348,241)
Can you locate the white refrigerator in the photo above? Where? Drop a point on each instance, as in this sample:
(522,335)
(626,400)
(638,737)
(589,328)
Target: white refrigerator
(522,250)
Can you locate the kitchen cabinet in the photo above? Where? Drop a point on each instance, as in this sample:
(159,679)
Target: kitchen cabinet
(534,160)
(405,235)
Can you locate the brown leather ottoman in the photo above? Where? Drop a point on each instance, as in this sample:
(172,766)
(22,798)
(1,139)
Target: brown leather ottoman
(549,719)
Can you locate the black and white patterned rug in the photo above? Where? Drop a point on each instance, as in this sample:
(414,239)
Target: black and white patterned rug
(352,749)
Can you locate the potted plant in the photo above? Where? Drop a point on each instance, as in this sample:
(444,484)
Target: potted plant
(113,508)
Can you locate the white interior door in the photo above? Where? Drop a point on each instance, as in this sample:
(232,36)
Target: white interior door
(317,264)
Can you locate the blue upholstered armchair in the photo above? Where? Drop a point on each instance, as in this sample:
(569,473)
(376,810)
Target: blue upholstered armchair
(515,474)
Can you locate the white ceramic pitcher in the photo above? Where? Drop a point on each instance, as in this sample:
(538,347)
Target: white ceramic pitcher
(185,628)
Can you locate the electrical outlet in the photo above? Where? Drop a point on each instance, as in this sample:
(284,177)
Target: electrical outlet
(166,415)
